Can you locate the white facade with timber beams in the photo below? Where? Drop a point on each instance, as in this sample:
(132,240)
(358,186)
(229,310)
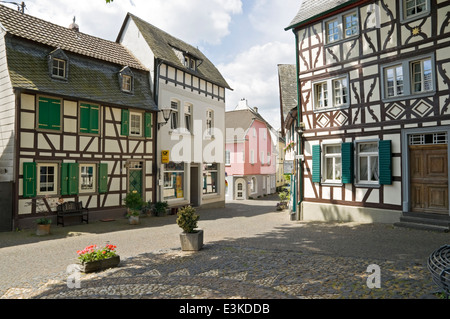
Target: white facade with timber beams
(374,86)
(78,122)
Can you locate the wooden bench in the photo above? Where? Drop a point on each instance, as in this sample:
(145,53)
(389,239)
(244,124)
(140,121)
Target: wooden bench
(70,209)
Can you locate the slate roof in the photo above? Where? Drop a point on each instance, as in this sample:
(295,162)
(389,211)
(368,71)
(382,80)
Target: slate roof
(161,43)
(311,9)
(89,79)
(287,74)
(241,120)
(41,31)
(93,75)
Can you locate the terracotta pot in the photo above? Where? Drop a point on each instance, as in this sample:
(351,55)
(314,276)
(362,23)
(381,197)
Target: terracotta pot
(43,230)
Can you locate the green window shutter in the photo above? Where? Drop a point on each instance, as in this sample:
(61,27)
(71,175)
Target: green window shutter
(49,115)
(316,166)
(103,178)
(64,179)
(125,123)
(29,180)
(347,163)
(148,124)
(89,118)
(55,115)
(73,172)
(84,118)
(94,119)
(385,160)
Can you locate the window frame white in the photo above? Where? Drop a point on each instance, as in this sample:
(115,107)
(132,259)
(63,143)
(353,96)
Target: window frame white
(188,110)
(339,28)
(209,123)
(56,167)
(333,156)
(404,18)
(408,90)
(59,67)
(328,102)
(227,157)
(94,178)
(368,155)
(174,118)
(133,127)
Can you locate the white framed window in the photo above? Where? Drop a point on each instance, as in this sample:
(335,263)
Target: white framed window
(188,117)
(136,124)
(209,123)
(394,81)
(47,179)
(268,158)
(262,158)
(409,77)
(252,157)
(175,106)
(341,27)
(414,8)
(367,162)
(126,83)
(332,163)
(422,80)
(337,98)
(227,157)
(88,173)
(350,25)
(59,68)
(333,32)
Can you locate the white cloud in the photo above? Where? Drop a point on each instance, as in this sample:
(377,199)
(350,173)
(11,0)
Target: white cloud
(253,75)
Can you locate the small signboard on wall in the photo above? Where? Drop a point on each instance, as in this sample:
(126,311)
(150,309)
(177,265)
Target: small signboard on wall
(165,158)
(289,167)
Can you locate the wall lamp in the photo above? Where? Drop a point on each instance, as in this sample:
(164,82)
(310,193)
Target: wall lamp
(166,113)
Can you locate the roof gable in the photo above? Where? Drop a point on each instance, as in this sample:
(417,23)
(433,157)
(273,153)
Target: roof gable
(169,49)
(44,32)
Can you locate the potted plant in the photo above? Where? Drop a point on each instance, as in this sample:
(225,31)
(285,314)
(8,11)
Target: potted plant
(134,203)
(92,259)
(191,237)
(282,205)
(159,208)
(43,226)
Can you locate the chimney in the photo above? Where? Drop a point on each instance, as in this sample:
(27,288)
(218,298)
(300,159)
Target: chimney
(256,109)
(243,105)
(74,26)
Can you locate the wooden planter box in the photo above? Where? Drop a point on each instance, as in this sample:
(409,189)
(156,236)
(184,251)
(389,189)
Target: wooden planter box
(100,265)
(192,241)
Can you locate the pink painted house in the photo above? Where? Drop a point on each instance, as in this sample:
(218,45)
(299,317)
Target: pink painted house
(250,154)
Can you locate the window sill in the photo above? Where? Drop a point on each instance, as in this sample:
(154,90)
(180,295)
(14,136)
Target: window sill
(409,96)
(414,17)
(333,184)
(367,185)
(330,109)
(353,37)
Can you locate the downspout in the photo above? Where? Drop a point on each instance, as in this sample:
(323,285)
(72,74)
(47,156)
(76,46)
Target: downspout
(157,169)
(299,136)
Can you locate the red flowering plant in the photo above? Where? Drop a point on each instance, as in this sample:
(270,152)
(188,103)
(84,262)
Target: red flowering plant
(92,253)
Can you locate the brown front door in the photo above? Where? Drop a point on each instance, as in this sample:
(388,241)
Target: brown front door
(429,179)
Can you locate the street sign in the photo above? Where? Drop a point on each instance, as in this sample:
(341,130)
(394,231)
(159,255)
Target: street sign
(288,167)
(165,158)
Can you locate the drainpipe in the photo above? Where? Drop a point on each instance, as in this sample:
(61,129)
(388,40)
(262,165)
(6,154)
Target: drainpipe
(299,133)
(157,165)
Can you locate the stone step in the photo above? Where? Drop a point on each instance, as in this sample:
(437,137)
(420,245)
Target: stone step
(422,226)
(443,222)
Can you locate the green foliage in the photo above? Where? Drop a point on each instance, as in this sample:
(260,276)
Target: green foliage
(158,208)
(91,253)
(187,219)
(134,202)
(44,221)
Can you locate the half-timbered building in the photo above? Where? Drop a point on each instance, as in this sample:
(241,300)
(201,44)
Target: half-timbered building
(185,81)
(374,87)
(78,120)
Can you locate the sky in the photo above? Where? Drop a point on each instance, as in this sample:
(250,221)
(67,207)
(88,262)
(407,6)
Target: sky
(245,39)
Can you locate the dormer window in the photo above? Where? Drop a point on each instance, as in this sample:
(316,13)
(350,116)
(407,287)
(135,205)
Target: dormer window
(126,80)
(190,63)
(58,64)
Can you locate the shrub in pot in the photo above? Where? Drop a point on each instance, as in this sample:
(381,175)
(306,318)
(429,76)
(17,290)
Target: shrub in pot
(134,203)
(191,237)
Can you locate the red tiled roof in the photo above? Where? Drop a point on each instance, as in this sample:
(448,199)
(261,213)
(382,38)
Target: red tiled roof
(38,30)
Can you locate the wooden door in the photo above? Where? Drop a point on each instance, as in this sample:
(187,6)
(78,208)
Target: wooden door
(429,179)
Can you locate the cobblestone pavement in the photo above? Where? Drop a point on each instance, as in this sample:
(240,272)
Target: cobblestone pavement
(288,260)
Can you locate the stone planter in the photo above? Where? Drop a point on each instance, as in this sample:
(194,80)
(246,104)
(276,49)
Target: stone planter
(192,241)
(99,265)
(133,220)
(43,230)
